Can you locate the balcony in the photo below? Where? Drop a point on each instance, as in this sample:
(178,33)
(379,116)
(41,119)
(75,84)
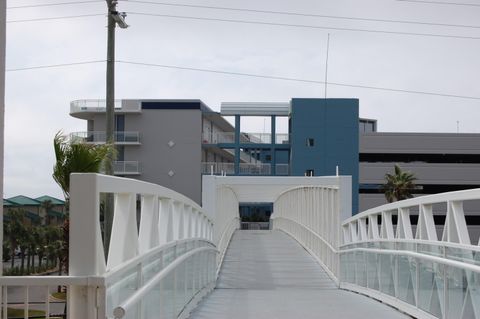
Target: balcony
(126,168)
(85,109)
(255,169)
(100,137)
(245,138)
(215,168)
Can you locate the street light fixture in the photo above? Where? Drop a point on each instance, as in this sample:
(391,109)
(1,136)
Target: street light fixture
(119,18)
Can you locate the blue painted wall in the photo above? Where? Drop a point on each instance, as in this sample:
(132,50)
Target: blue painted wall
(333,126)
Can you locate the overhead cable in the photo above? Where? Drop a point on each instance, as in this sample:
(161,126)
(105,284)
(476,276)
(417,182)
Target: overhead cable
(53,65)
(436,35)
(302,14)
(57,18)
(443,3)
(53,4)
(359,86)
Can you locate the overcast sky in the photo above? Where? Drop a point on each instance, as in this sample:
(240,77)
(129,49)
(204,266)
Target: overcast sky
(37,101)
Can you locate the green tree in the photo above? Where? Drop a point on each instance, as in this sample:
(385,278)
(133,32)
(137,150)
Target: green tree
(40,239)
(399,186)
(47,205)
(75,158)
(13,230)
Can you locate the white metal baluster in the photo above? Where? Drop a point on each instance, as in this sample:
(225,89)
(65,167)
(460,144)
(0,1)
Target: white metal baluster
(25,302)
(5,301)
(47,303)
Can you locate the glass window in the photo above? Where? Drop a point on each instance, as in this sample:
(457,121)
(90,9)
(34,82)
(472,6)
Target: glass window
(310,142)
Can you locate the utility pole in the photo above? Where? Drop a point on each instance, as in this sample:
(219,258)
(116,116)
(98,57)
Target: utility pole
(114,18)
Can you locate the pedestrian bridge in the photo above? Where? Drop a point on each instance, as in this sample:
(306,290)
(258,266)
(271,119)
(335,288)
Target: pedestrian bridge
(170,258)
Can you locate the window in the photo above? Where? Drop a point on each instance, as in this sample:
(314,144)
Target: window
(309,172)
(310,142)
(268,158)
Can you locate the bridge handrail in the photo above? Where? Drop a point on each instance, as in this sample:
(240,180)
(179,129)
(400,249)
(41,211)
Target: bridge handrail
(311,207)
(165,217)
(225,240)
(382,259)
(435,259)
(333,249)
(121,310)
(119,270)
(355,228)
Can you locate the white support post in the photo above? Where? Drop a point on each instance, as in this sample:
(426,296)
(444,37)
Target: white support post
(347,239)
(176,220)
(188,222)
(404,227)
(165,231)
(148,236)
(362,229)
(387,226)
(353,231)
(426,224)
(86,255)
(124,240)
(373,227)
(455,230)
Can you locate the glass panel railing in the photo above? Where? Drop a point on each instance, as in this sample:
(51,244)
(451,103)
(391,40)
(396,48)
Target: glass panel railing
(126,167)
(245,138)
(101,137)
(255,169)
(214,168)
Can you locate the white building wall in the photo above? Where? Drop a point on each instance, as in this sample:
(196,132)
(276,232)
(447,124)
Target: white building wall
(3,15)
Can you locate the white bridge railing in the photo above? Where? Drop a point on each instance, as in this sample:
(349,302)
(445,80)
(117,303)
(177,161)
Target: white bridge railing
(163,257)
(384,257)
(311,215)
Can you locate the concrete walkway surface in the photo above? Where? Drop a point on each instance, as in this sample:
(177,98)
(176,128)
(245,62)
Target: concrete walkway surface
(267,274)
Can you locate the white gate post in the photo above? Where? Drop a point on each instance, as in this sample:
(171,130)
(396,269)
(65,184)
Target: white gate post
(86,255)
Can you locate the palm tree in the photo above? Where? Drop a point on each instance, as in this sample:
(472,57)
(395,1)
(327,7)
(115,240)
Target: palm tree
(14,230)
(47,205)
(39,238)
(399,186)
(75,158)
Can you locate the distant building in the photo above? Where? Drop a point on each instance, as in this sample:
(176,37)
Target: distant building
(174,142)
(37,212)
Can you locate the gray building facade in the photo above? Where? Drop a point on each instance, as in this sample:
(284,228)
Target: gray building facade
(174,142)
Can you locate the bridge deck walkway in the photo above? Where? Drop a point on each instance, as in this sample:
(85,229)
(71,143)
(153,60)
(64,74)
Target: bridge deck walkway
(267,274)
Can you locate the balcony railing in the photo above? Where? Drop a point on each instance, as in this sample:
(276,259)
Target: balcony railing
(126,168)
(215,168)
(120,137)
(92,105)
(245,138)
(255,169)
(282,169)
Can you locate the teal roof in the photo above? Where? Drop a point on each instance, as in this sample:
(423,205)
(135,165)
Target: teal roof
(24,201)
(55,201)
(7,203)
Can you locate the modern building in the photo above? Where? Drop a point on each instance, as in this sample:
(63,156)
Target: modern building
(174,142)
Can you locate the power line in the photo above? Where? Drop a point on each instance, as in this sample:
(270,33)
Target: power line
(53,66)
(57,18)
(53,4)
(444,3)
(301,14)
(297,80)
(436,35)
